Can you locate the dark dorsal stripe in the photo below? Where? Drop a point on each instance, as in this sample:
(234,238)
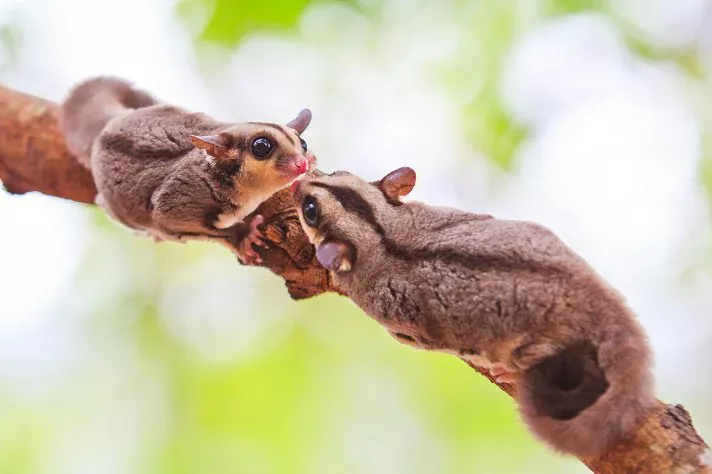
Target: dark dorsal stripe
(279,129)
(353,203)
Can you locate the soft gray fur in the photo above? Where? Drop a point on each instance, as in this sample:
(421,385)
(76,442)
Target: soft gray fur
(177,174)
(506,295)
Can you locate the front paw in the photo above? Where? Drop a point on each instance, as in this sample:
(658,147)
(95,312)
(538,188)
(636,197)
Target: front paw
(245,251)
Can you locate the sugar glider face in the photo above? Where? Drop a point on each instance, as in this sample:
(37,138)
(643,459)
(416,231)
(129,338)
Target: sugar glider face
(342,214)
(265,157)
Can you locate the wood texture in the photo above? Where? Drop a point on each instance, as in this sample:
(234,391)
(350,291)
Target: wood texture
(33,157)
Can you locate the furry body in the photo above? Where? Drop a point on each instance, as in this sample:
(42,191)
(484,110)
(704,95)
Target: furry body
(492,291)
(175,173)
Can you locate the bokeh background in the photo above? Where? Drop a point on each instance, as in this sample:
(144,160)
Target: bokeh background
(121,356)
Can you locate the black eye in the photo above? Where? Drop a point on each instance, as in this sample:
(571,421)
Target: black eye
(261,147)
(310,211)
(304,144)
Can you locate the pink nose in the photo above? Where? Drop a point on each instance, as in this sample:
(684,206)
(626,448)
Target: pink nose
(301,164)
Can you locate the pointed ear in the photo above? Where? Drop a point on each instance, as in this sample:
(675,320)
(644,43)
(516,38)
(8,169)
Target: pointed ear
(336,256)
(397,183)
(214,144)
(301,122)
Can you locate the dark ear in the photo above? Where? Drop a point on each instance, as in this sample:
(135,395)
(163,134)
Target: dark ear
(397,184)
(301,122)
(336,256)
(214,144)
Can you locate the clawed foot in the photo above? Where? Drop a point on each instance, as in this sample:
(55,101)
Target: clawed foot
(245,252)
(502,374)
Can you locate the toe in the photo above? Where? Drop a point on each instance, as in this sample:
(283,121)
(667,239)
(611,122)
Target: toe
(255,236)
(252,255)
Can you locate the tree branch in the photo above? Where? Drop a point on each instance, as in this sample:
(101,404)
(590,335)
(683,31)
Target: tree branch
(33,157)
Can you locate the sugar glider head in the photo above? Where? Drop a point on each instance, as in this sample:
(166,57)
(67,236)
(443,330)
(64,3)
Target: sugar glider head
(264,157)
(346,217)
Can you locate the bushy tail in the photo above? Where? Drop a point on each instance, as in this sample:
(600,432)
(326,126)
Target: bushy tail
(90,105)
(585,399)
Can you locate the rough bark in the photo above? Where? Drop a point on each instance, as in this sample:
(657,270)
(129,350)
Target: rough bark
(33,157)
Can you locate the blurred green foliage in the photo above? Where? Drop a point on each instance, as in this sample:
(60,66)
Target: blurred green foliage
(560,7)
(291,402)
(228,21)
(9,44)
(332,392)
(489,30)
